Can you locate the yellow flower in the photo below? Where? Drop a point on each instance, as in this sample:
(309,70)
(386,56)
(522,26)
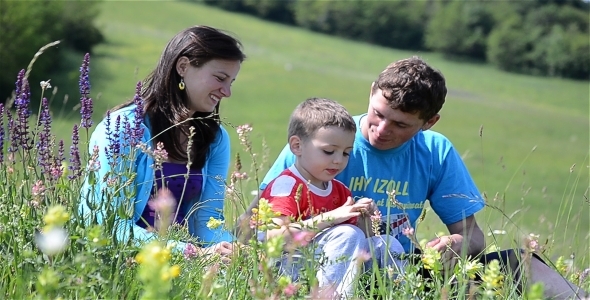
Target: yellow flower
(431,259)
(263,215)
(492,279)
(175,271)
(56,216)
(214,223)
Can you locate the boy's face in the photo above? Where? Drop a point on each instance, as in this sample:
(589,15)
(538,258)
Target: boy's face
(324,155)
(387,128)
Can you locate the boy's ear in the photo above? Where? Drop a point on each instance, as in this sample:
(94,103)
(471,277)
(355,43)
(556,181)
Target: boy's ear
(182,64)
(295,144)
(431,122)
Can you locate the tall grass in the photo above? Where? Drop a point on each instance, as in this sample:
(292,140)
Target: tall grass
(51,252)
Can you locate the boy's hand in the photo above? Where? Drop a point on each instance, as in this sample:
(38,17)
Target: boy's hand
(372,207)
(348,210)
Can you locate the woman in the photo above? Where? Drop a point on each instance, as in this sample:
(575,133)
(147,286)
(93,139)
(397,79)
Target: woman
(179,110)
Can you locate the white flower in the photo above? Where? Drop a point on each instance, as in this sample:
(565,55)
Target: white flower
(45,84)
(53,241)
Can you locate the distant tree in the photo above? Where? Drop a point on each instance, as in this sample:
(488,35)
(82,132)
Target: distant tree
(460,28)
(278,11)
(387,23)
(548,40)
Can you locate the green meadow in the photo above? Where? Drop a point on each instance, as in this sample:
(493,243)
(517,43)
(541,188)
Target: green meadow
(525,139)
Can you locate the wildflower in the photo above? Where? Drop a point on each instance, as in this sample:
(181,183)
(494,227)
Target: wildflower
(492,280)
(243,132)
(408,231)
(190,251)
(21,103)
(137,130)
(44,156)
(52,241)
(262,216)
(94,163)
(45,84)
(153,259)
(470,268)
(274,246)
(163,204)
(75,162)
(56,216)
(376,222)
(431,259)
(160,155)
(532,243)
(288,288)
(85,101)
(303,238)
(561,266)
(38,189)
(214,223)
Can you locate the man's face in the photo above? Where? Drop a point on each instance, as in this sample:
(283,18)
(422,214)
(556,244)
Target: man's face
(386,128)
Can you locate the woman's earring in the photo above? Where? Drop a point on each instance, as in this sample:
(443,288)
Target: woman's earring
(181,84)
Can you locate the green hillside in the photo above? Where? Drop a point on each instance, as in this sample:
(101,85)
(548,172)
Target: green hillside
(286,65)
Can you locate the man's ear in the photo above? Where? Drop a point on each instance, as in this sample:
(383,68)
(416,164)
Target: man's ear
(295,143)
(182,65)
(431,122)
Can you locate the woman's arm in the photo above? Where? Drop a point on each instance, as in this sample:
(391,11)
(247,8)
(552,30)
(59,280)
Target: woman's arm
(213,193)
(124,179)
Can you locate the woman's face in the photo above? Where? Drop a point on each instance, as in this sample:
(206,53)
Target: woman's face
(206,85)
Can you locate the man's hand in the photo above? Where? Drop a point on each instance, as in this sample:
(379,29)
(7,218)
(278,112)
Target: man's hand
(223,249)
(465,239)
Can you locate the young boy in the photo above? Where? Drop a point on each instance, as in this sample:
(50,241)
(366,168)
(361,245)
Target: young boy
(309,199)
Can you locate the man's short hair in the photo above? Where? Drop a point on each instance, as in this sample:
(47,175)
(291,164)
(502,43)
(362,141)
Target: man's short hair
(412,86)
(315,113)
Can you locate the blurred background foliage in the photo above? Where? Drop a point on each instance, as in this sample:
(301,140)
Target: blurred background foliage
(26,26)
(537,37)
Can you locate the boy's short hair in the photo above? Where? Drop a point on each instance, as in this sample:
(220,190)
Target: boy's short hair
(412,86)
(315,113)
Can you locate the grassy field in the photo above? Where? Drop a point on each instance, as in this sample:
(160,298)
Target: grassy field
(539,189)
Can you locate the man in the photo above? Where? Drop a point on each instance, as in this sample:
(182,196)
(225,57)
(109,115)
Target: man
(400,163)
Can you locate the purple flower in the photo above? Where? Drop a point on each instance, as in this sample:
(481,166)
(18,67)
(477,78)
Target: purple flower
(21,103)
(75,155)
(58,169)
(44,156)
(85,100)
(113,137)
(13,136)
(84,82)
(137,133)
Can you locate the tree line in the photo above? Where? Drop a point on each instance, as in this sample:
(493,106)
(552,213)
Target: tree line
(537,37)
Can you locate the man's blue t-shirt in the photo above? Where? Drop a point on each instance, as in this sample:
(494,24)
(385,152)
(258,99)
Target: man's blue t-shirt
(427,167)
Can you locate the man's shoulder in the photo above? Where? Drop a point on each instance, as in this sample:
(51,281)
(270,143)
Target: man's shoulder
(433,140)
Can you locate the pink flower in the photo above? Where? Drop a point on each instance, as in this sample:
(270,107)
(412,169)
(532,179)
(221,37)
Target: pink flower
(408,231)
(163,204)
(190,251)
(302,238)
(290,290)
